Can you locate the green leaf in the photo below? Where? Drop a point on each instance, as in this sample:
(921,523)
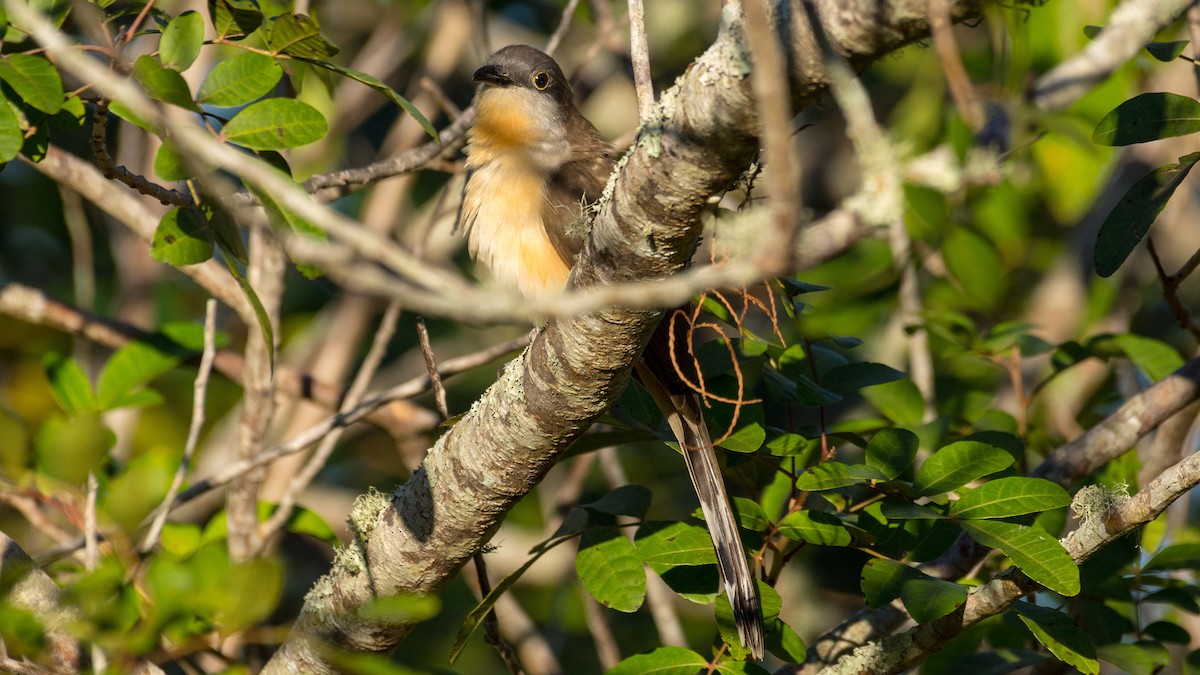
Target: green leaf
(749,515)
(1167,51)
(274,124)
(662,661)
(228,236)
(883,580)
(727,626)
(958,464)
(398,609)
(815,527)
(11,138)
(131,367)
(1165,631)
(1132,217)
(927,599)
(976,265)
(169,164)
(663,545)
(240,80)
(163,84)
(260,312)
(891,451)
(1148,117)
(610,570)
(67,448)
(909,511)
(296,35)
(1138,658)
(1012,496)
(1155,357)
(899,401)
(855,376)
(378,85)
(181,41)
(627,500)
(827,476)
(234,18)
(68,384)
(1039,555)
(747,438)
(34,79)
(183,237)
(476,616)
(1177,557)
(1060,635)
(783,642)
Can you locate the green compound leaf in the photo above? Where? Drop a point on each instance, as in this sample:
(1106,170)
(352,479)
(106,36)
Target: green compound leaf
(958,464)
(11,138)
(1038,554)
(610,570)
(927,599)
(1012,496)
(34,79)
(68,384)
(1132,217)
(815,527)
(275,124)
(827,476)
(131,367)
(666,544)
(296,35)
(883,580)
(240,80)
(181,41)
(234,18)
(163,84)
(1148,117)
(183,237)
(1060,635)
(662,661)
(378,85)
(891,451)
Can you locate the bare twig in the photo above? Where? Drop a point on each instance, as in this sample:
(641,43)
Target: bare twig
(370,365)
(639,54)
(959,84)
(199,390)
(564,24)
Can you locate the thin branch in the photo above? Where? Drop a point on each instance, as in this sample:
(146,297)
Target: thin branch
(639,54)
(564,24)
(370,365)
(199,391)
(942,30)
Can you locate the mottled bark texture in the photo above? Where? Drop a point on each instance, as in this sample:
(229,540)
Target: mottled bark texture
(703,136)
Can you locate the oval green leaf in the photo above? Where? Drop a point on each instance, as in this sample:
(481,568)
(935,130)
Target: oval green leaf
(378,85)
(11,138)
(296,35)
(610,570)
(68,384)
(958,464)
(855,376)
(1149,117)
(1012,496)
(234,18)
(883,580)
(181,41)
(1060,635)
(927,599)
(1039,555)
(827,476)
(183,237)
(662,661)
(34,79)
(163,84)
(663,545)
(240,80)
(1131,218)
(891,451)
(274,124)
(815,527)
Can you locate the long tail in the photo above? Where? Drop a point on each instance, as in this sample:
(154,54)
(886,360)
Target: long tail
(682,409)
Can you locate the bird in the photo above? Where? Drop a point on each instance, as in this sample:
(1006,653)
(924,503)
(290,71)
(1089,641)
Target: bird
(534,162)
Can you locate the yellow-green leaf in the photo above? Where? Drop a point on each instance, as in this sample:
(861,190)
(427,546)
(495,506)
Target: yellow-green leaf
(274,124)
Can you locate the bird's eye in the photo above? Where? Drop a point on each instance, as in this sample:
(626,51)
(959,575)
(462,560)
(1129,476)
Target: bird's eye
(541,80)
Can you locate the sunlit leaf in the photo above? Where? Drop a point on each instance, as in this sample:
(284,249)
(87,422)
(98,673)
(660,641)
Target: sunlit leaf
(610,570)
(1039,555)
(296,35)
(34,79)
(1011,496)
(240,80)
(958,464)
(183,237)
(274,124)
(181,41)
(1060,635)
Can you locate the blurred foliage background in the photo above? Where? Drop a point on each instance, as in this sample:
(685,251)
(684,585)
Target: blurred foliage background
(1015,246)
